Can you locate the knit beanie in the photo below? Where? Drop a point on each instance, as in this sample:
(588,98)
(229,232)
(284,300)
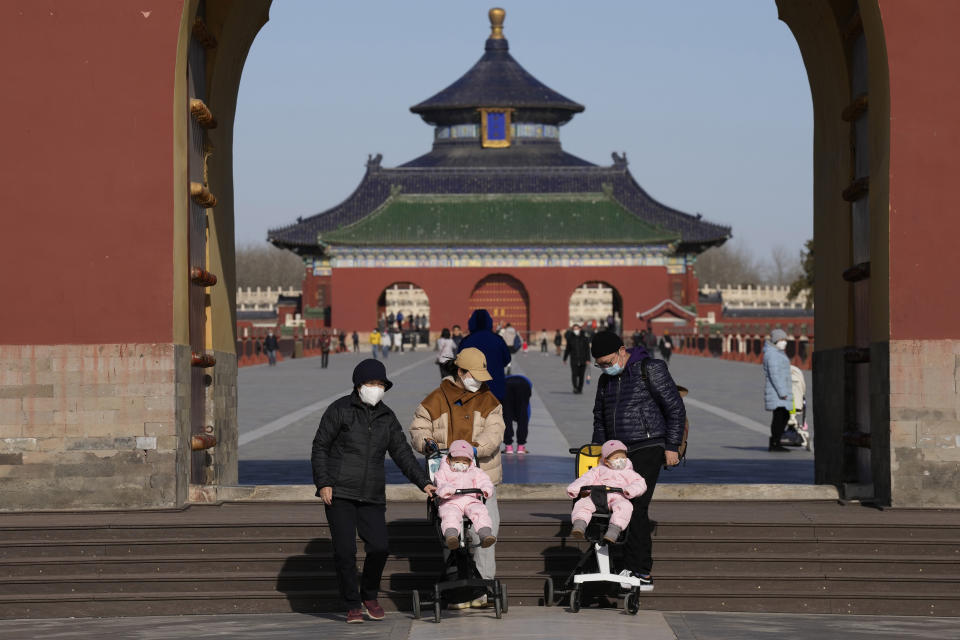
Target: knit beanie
(461,449)
(777,335)
(612,446)
(368,370)
(605,343)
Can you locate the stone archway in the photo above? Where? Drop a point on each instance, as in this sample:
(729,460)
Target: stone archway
(505,298)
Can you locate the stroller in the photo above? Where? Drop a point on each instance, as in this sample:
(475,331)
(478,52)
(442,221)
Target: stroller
(588,456)
(797,433)
(459,579)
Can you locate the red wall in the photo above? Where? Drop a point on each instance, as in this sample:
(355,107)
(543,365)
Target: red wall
(86,170)
(923,52)
(549,289)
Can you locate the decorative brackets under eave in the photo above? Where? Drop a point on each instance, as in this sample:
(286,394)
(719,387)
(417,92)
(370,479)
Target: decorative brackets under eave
(202,114)
(201,195)
(202,277)
(202,360)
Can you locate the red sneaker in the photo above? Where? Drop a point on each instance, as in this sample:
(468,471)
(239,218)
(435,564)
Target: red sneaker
(354,616)
(374,610)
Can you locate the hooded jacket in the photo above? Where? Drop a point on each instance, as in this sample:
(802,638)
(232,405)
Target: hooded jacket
(448,481)
(630,481)
(349,448)
(776,379)
(638,411)
(493,347)
(476,418)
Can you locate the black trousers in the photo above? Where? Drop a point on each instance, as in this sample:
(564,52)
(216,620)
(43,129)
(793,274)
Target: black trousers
(347,519)
(638,551)
(324,359)
(577,371)
(665,354)
(778,423)
(516,408)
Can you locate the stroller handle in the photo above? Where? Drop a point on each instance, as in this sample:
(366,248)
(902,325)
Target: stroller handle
(462,492)
(602,487)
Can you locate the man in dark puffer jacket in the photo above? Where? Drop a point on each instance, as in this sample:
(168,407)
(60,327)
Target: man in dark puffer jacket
(355,433)
(638,404)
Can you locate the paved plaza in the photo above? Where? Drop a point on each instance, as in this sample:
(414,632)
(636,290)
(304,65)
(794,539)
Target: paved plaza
(280,407)
(528,623)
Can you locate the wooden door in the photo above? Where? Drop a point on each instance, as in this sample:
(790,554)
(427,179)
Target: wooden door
(506,299)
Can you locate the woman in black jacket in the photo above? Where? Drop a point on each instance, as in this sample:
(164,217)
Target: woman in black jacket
(355,433)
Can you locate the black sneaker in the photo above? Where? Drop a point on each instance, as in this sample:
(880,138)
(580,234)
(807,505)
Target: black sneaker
(646,581)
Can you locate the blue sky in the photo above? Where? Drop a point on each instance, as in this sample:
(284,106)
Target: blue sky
(709,99)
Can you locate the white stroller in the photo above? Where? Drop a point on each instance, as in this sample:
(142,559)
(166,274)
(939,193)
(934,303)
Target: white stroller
(797,433)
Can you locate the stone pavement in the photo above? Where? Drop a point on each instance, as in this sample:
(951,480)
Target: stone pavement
(280,407)
(529,623)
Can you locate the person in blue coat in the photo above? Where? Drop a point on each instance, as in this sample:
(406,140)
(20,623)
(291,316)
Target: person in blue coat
(493,347)
(778,388)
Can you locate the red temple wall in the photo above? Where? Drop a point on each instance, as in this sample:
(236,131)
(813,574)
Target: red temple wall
(86,171)
(549,289)
(923,53)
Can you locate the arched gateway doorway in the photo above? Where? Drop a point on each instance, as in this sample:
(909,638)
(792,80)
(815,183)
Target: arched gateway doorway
(505,298)
(833,37)
(596,302)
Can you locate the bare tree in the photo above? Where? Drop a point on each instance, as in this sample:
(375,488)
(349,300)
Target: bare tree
(263,265)
(784,266)
(730,263)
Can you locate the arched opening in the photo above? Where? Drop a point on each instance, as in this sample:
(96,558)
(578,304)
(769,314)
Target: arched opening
(598,305)
(506,299)
(403,309)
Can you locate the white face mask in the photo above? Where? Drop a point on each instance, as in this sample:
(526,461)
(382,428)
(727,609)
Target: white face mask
(781,344)
(576,332)
(371,394)
(619,464)
(471,385)
(459,467)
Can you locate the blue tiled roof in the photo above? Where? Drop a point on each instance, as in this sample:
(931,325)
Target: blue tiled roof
(497,80)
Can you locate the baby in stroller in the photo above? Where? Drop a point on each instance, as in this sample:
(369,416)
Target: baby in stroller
(459,471)
(614,471)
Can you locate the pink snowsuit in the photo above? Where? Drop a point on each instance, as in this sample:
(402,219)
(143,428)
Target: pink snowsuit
(454,507)
(621,509)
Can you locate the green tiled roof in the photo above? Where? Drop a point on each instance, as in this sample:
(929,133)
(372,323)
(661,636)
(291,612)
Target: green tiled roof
(499,219)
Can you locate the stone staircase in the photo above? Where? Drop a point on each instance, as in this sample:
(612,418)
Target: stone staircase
(800,557)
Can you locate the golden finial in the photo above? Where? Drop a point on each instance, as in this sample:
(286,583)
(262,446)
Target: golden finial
(496,23)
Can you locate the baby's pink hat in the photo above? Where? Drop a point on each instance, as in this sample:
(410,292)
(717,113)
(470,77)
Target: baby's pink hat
(461,448)
(611,446)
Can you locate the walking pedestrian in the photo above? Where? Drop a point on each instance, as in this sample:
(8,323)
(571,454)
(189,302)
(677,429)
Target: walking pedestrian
(375,337)
(651,342)
(516,408)
(385,344)
(544,339)
(493,347)
(355,433)
(324,349)
(637,403)
(270,345)
(463,408)
(447,349)
(356,342)
(777,387)
(578,351)
(456,334)
(666,347)
(558,342)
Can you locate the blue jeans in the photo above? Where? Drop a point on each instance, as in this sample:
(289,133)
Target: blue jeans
(271,357)
(376,348)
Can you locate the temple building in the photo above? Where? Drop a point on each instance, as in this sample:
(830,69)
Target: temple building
(497,215)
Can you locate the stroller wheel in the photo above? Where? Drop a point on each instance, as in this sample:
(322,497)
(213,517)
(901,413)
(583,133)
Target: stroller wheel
(416,604)
(436,611)
(632,602)
(575,599)
(504,599)
(548,596)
